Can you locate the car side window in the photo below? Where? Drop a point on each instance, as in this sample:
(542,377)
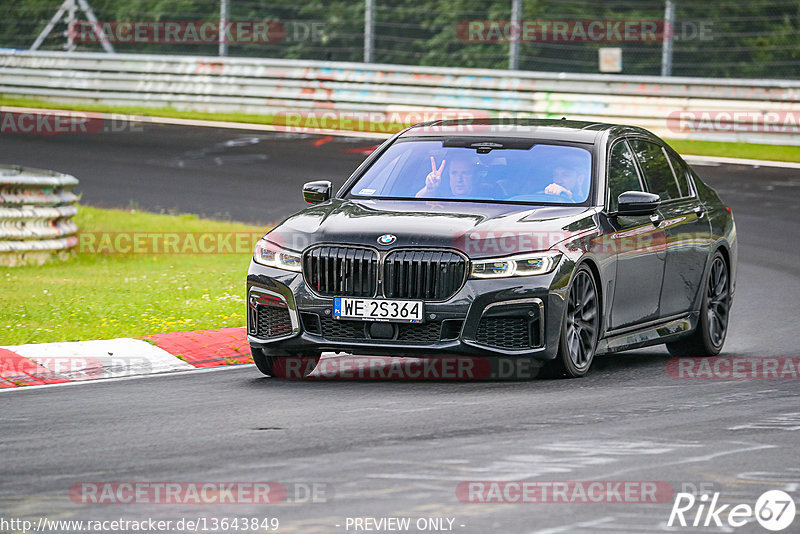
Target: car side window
(657,172)
(622,175)
(680,170)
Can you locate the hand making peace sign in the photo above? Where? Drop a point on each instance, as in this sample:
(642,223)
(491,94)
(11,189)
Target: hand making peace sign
(432,181)
(434,177)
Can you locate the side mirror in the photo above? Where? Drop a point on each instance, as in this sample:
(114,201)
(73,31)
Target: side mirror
(637,203)
(316,192)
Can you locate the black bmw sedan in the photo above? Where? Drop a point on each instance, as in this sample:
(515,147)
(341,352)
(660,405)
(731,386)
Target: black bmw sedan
(551,240)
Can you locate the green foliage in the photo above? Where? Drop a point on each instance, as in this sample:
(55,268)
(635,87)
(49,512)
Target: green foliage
(742,38)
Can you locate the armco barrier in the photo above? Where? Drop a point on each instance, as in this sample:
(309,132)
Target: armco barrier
(741,110)
(36,209)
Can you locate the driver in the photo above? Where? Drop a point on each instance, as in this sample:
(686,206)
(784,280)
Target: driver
(568,183)
(461,179)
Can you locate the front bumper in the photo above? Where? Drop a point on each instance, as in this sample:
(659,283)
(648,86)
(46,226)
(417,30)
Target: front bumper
(488,317)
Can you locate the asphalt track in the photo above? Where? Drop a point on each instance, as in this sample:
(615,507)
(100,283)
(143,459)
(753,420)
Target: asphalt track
(400,448)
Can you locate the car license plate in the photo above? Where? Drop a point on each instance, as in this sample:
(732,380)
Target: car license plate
(396,311)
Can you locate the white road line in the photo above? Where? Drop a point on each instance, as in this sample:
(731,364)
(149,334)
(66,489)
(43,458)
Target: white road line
(196,370)
(573,526)
(750,447)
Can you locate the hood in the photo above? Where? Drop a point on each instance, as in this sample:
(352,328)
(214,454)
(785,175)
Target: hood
(475,228)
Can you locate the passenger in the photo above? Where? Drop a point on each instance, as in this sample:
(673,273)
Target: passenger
(462,180)
(569,183)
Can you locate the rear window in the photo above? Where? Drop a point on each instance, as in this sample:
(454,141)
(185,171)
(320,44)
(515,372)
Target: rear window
(450,169)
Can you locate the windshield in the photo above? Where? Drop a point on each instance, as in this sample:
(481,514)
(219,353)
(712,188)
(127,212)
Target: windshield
(513,172)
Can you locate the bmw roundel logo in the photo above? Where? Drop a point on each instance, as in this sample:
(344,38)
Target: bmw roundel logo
(387,239)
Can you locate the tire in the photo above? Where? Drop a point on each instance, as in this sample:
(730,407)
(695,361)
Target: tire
(283,365)
(580,326)
(712,327)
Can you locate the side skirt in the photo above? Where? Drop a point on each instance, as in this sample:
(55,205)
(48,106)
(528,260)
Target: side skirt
(654,333)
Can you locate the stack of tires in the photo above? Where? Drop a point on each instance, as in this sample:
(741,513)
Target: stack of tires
(36,210)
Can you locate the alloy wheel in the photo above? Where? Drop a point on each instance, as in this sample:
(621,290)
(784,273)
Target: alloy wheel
(718,301)
(582,319)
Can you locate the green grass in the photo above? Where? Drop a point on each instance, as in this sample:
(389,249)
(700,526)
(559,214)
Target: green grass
(699,148)
(270,119)
(102,296)
(736,150)
(6,100)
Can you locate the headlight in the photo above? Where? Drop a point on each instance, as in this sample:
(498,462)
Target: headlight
(273,255)
(523,265)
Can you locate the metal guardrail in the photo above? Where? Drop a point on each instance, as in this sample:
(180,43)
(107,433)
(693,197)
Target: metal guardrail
(264,86)
(36,210)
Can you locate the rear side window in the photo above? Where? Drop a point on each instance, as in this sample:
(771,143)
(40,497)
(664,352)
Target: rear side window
(657,171)
(622,175)
(680,175)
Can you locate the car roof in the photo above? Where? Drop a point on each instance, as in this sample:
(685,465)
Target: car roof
(540,129)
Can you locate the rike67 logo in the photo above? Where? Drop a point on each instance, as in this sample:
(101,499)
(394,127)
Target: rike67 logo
(774,510)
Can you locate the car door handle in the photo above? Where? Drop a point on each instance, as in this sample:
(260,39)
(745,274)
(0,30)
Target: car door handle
(699,211)
(656,219)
